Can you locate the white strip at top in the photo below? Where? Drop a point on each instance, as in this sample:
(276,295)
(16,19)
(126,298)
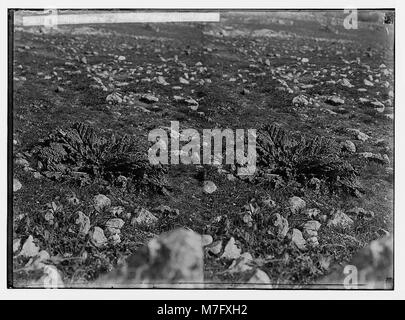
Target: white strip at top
(121,17)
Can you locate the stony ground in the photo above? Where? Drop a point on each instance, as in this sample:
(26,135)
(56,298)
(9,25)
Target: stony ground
(79,90)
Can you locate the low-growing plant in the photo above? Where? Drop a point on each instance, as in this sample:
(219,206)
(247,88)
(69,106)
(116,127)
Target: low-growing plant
(301,159)
(81,151)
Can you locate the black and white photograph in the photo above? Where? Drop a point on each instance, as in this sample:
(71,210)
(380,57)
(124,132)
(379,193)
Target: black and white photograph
(201,148)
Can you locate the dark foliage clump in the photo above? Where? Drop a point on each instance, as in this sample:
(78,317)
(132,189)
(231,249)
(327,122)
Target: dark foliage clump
(281,154)
(81,151)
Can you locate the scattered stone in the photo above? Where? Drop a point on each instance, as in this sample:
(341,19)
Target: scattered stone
(49,216)
(378,106)
(334,101)
(115,238)
(191,101)
(358,134)
(114,98)
(296,204)
(313,241)
(206,240)
(144,217)
(178,98)
(59,89)
(84,223)
(37,175)
(148,98)
(368,83)
(117,211)
(383,159)
(215,247)
(245,91)
(183,81)
(348,145)
(97,237)
(231,250)
(16,245)
(22,162)
(101,202)
(16,185)
(282,226)
(300,101)
(114,225)
(340,220)
(311,228)
(298,239)
(29,248)
(161,80)
(209,187)
(346,83)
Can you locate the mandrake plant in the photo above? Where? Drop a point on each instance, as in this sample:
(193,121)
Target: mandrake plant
(280,153)
(82,150)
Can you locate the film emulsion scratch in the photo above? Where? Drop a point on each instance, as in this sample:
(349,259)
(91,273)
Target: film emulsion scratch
(205,149)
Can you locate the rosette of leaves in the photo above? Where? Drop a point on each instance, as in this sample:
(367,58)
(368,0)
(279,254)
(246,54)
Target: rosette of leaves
(82,151)
(281,154)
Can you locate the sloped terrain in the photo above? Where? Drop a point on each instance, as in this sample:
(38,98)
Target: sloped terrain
(85,98)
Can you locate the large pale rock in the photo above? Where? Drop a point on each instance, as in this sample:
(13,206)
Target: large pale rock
(370,268)
(173,258)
